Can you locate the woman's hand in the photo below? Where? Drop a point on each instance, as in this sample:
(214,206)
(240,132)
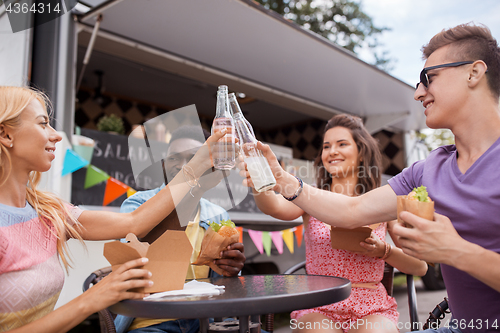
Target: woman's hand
(203,159)
(275,166)
(373,246)
(116,286)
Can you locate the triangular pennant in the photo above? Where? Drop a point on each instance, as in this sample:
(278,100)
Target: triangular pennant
(72,162)
(114,189)
(277,240)
(256,237)
(288,238)
(266,242)
(298,233)
(94,176)
(130,192)
(240,230)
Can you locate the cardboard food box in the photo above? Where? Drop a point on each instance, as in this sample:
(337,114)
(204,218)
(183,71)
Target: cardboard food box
(349,239)
(168,256)
(421,209)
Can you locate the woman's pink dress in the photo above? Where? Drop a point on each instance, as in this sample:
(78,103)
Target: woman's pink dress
(322,259)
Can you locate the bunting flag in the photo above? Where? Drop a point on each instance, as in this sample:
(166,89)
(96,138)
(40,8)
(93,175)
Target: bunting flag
(288,238)
(256,237)
(94,176)
(72,162)
(298,234)
(266,242)
(114,189)
(240,231)
(277,240)
(131,192)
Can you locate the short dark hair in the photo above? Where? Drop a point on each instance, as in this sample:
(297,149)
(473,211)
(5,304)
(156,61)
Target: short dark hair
(190,132)
(368,151)
(471,42)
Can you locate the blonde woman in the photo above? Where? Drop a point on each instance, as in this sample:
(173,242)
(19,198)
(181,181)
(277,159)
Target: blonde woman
(35,225)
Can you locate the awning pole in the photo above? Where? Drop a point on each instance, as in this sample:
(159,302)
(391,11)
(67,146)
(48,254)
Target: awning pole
(90,47)
(98,10)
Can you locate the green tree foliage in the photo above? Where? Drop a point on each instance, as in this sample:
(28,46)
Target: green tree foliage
(341,21)
(434,138)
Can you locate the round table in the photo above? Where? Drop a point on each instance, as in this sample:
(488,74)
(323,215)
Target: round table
(244,296)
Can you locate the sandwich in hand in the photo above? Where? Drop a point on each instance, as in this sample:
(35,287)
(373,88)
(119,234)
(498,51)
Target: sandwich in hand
(416,202)
(217,238)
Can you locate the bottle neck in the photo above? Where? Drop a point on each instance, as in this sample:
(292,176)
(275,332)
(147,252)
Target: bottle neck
(222,109)
(244,132)
(238,115)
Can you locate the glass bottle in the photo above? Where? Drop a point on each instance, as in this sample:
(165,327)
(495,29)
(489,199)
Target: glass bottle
(224,150)
(257,165)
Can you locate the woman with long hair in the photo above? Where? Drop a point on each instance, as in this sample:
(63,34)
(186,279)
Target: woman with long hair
(35,225)
(349,163)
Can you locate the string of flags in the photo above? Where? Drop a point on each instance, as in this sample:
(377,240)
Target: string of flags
(79,157)
(74,161)
(263,240)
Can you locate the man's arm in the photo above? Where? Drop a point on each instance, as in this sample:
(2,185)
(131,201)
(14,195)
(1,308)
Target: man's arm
(438,241)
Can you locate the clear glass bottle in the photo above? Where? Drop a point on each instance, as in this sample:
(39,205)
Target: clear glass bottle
(224,150)
(257,165)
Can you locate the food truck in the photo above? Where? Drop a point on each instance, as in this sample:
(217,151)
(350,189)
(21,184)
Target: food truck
(141,59)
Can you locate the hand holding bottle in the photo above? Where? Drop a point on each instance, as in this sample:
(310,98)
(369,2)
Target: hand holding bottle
(224,151)
(203,159)
(286,184)
(256,164)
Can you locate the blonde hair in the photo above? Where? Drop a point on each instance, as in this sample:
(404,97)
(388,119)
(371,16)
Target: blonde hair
(51,210)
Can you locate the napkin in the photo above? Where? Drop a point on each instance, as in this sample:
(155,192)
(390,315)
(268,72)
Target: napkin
(191,288)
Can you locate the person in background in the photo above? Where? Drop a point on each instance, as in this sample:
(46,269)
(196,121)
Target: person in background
(184,143)
(349,164)
(35,225)
(459,89)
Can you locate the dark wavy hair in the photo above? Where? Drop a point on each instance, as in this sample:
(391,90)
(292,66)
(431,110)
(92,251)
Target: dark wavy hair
(369,170)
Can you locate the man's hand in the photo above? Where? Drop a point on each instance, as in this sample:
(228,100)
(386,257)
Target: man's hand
(232,259)
(432,241)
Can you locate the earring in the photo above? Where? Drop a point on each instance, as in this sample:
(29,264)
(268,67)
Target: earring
(11,145)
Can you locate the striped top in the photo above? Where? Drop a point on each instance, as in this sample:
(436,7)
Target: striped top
(31,276)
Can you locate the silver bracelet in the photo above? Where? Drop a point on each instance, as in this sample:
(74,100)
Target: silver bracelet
(192,182)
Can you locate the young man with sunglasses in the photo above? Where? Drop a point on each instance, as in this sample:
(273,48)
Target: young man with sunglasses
(459,89)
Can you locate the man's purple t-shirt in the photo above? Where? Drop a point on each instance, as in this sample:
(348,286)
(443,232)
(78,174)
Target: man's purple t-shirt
(472,202)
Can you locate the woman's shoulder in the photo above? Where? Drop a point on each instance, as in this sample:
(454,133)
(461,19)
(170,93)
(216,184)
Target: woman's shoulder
(10,215)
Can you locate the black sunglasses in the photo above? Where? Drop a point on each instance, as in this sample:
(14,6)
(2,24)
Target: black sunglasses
(423,74)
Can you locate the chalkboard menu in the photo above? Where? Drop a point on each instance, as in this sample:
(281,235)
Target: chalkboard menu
(112,155)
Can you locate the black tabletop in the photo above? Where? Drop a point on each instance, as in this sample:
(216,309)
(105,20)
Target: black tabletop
(245,296)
